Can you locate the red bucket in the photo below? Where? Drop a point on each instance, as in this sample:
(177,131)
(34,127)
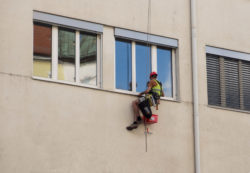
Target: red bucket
(152,120)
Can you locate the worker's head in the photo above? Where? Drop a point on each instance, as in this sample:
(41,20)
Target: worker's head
(153,75)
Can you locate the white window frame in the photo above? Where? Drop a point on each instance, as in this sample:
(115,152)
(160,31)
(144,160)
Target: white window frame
(78,26)
(154,42)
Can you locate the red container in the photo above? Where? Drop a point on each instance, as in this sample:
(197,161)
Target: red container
(152,120)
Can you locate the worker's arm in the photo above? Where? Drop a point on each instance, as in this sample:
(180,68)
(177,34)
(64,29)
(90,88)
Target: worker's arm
(162,93)
(150,85)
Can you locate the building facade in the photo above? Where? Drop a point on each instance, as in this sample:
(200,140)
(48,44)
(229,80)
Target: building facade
(69,71)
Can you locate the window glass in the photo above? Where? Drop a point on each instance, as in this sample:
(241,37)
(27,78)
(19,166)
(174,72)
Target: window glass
(66,55)
(123,65)
(88,57)
(164,70)
(143,66)
(42,51)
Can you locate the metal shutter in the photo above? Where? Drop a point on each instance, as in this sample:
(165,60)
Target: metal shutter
(246,84)
(213,80)
(232,92)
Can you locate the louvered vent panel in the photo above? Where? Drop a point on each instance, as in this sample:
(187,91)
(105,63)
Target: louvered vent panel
(231,72)
(246,84)
(213,80)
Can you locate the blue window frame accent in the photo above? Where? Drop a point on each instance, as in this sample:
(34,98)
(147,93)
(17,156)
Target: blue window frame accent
(164,70)
(123,65)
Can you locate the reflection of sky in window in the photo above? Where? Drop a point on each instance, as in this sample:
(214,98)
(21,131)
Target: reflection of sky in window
(143,66)
(164,70)
(123,65)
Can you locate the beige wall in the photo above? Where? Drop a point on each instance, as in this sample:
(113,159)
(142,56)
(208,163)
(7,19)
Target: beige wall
(50,127)
(224,134)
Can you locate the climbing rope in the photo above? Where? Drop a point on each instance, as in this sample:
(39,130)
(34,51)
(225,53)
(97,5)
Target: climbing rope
(147,66)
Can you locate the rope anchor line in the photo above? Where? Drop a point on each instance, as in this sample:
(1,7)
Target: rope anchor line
(146,131)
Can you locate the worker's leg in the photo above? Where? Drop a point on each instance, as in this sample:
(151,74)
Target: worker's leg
(136,109)
(137,118)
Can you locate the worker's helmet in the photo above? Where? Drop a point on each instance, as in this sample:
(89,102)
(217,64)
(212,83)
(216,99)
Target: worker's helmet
(153,74)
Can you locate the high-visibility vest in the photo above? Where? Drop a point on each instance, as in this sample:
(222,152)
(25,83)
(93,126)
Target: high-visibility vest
(157,88)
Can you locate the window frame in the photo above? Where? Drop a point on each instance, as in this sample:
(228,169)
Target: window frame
(153,66)
(77,26)
(223,54)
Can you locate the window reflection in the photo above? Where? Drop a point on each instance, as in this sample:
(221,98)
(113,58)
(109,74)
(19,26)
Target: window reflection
(164,69)
(123,65)
(143,66)
(42,50)
(88,57)
(66,55)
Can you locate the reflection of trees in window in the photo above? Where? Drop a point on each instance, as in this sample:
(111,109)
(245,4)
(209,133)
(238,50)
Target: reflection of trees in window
(66,45)
(42,50)
(88,58)
(66,54)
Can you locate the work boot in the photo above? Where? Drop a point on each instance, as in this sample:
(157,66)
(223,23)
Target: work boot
(139,120)
(132,126)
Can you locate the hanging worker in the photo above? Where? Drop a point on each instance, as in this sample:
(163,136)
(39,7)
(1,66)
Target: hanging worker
(152,97)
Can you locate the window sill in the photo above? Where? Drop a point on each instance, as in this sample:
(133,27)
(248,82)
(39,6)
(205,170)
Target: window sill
(229,109)
(96,87)
(64,82)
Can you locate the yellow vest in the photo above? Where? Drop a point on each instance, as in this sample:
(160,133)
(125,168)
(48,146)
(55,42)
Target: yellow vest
(157,88)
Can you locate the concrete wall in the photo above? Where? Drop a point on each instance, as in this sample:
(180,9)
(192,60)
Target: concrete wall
(224,134)
(52,127)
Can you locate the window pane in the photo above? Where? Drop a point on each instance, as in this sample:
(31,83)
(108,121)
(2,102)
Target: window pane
(231,71)
(88,57)
(123,65)
(66,55)
(246,84)
(42,51)
(143,66)
(164,70)
(213,80)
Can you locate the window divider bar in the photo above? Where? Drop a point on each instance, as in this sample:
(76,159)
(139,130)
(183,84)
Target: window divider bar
(154,57)
(98,61)
(173,57)
(133,67)
(77,60)
(54,52)
(100,57)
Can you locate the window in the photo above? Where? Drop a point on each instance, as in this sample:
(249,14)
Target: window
(88,59)
(135,59)
(123,65)
(228,81)
(63,53)
(42,50)
(143,66)
(66,55)
(164,68)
